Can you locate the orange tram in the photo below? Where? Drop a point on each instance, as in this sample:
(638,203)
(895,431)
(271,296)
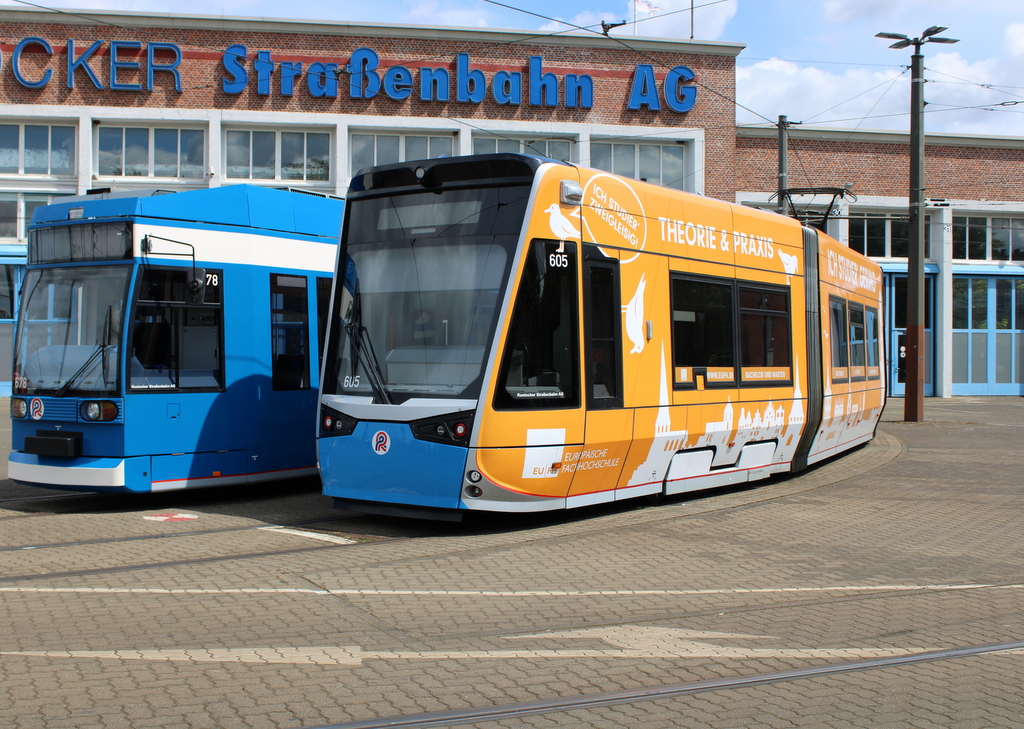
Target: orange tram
(515,334)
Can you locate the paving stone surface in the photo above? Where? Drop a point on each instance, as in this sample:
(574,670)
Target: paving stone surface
(909,545)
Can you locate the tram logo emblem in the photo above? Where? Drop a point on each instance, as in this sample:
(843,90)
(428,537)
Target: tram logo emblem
(35,408)
(613,214)
(381,442)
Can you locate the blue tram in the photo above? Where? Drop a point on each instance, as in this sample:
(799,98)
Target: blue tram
(172,340)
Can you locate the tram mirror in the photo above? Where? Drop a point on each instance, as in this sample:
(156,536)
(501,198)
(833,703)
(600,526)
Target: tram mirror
(197,286)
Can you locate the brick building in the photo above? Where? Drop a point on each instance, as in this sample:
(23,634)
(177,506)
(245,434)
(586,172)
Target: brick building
(114,100)
(974,238)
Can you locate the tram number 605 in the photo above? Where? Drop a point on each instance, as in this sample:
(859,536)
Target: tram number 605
(558,260)
(351,381)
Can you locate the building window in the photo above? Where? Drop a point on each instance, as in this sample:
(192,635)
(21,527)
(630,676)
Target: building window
(560,149)
(253,155)
(977,238)
(8,290)
(16,212)
(661,164)
(34,149)
(368,150)
(880,236)
(150,152)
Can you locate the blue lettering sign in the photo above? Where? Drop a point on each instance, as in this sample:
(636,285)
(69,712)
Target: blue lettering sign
(470,86)
(364,81)
(152,66)
(398,83)
(16,63)
(507,88)
(82,62)
(289,72)
(543,86)
(433,84)
(232,59)
(579,91)
(644,91)
(264,70)
(117,64)
(322,80)
(679,97)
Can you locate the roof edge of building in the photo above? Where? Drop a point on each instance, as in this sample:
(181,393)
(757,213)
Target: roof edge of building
(384,30)
(882,136)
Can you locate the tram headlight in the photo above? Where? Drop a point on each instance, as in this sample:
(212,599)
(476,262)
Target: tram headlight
(452,430)
(98,410)
(19,408)
(334,423)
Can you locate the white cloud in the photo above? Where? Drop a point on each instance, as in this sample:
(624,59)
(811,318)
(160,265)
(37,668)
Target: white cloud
(1013,39)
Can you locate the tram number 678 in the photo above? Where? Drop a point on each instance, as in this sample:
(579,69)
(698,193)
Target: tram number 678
(558,260)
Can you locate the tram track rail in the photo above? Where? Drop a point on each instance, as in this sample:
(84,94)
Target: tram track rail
(655,693)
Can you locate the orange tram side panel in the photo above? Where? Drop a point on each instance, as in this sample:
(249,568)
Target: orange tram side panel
(797,389)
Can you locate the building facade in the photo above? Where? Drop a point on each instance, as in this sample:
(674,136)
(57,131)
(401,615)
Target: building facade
(155,101)
(974,239)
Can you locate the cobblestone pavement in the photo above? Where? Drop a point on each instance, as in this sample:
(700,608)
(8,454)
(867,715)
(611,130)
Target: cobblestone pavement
(910,545)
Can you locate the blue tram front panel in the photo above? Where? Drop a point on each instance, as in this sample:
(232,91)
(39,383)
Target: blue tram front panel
(56,444)
(387,463)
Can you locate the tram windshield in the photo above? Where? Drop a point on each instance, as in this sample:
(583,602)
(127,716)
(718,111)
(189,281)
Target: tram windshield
(69,329)
(418,298)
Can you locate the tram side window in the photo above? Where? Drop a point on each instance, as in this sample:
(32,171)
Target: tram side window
(838,334)
(765,342)
(604,336)
(289,332)
(323,307)
(702,332)
(857,346)
(871,334)
(541,364)
(177,331)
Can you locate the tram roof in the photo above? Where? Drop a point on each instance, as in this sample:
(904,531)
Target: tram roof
(251,206)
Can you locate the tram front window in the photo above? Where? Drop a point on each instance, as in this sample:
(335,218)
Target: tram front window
(69,329)
(424,281)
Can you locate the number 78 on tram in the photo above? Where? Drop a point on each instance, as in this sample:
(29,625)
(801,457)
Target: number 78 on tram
(510,333)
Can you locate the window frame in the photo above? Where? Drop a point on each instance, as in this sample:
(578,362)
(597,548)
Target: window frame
(403,152)
(22,151)
(980,230)
(525,145)
(277,154)
(888,220)
(181,308)
(151,151)
(282,319)
(617,149)
(687,380)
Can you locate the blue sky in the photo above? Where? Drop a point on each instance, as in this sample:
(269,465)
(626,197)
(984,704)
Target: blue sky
(816,61)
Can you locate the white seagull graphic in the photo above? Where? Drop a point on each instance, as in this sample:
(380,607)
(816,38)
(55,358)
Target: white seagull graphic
(634,311)
(561,226)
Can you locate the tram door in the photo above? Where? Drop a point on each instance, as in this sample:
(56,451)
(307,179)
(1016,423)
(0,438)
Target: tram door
(896,324)
(609,428)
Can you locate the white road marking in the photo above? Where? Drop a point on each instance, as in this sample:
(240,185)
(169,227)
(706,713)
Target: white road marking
(629,641)
(504,593)
(309,535)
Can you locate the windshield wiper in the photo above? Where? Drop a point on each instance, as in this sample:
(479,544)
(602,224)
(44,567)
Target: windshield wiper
(101,350)
(367,357)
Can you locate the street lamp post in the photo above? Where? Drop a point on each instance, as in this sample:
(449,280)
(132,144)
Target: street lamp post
(915,373)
